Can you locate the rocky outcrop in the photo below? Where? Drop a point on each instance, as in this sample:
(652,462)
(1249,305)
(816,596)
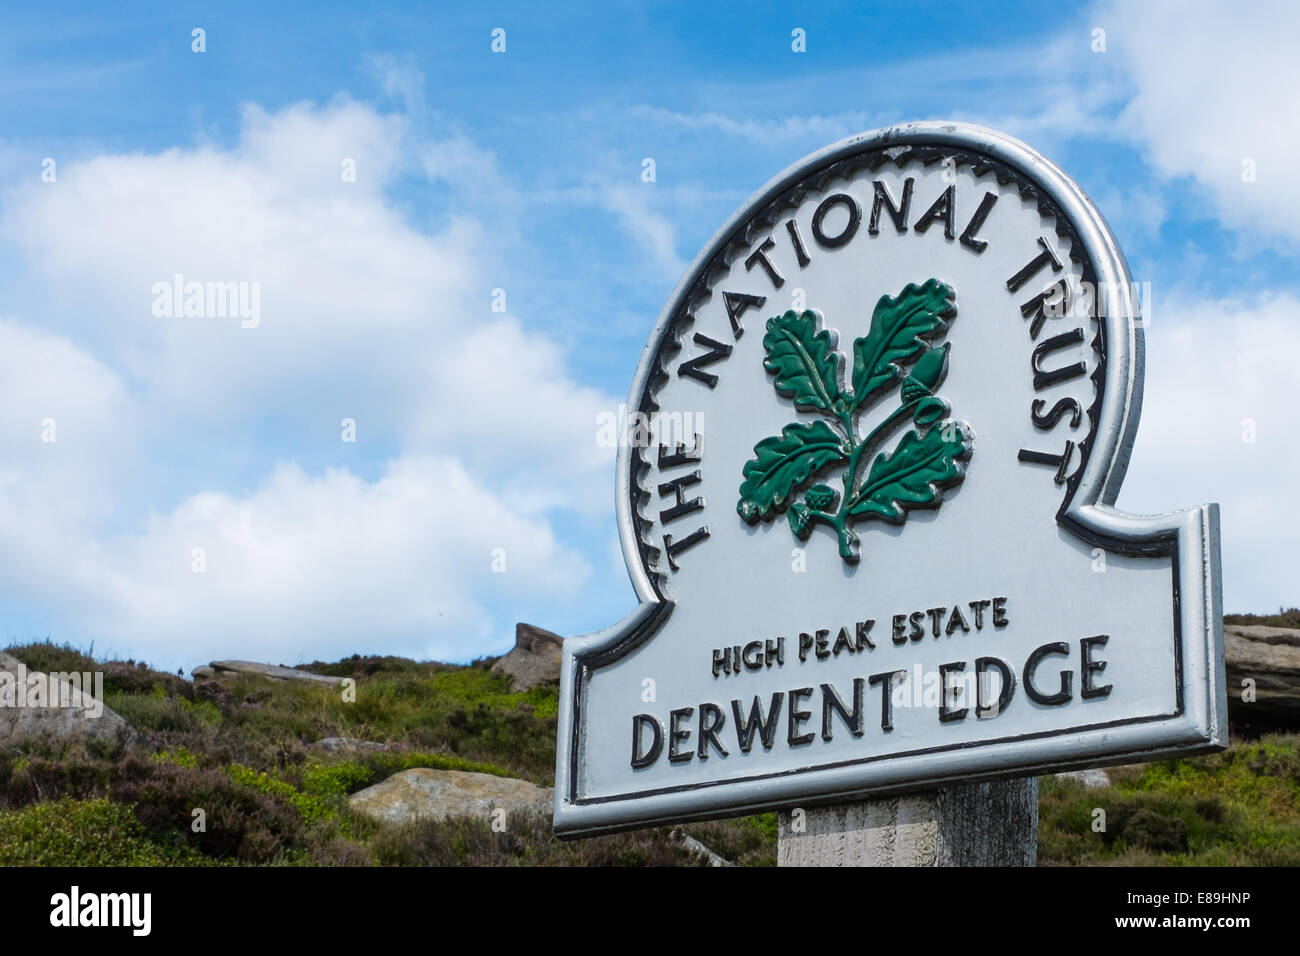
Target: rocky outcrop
(29,707)
(424,794)
(1270,658)
(535,659)
(270,671)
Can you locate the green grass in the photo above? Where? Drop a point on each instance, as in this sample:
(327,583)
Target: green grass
(84,833)
(1240,807)
(239,750)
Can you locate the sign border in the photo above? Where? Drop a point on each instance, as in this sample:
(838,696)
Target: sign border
(1189,537)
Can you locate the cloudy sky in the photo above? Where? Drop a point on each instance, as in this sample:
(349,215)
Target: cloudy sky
(140,446)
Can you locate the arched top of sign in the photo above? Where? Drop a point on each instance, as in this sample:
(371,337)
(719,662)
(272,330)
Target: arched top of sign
(1113,415)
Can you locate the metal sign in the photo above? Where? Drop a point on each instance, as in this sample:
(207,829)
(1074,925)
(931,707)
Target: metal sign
(866,498)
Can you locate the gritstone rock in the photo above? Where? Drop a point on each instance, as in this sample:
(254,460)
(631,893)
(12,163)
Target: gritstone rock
(424,794)
(534,660)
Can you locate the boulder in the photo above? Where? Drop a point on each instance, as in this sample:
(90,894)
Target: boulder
(224,668)
(535,659)
(85,717)
(1270,656)
(424,794)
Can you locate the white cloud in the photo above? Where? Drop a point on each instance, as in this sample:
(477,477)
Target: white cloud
(358,307)
(343,277)
(67,425)
(1219,373)
(488,440)
(1213,86)
(322,566)
(761,130)
(654,231)
(503,397)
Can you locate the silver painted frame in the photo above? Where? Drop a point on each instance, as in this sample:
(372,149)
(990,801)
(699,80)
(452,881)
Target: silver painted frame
(1190,536)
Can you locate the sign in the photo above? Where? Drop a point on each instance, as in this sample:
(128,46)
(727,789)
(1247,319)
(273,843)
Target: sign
(866,497)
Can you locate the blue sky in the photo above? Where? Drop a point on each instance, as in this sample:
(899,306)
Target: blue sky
(522,171)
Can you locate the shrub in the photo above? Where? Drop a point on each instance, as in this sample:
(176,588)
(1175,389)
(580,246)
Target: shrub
(84,833)
(1146,829)
(1237,807)
(47,656)
(336,779)
(311,807)
(157,712)
(128,677)
(180,756)
(748,841)
(1285,617)
(527,840)
(386,763)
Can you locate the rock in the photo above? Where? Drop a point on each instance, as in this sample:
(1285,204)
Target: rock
(203,672)
(424,794)
(689,842)
(1092,777)
(222,668)
(86,717)
(346,745)
(1270,656)
(535,659)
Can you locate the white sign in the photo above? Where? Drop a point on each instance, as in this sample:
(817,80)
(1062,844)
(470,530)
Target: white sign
(866,498)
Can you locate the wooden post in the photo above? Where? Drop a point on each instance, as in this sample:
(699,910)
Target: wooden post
(981,824)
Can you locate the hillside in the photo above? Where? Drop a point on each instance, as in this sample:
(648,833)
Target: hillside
(241,749)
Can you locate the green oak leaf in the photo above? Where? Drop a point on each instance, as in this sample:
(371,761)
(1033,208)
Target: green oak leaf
(781,464)
(804,361)
(899,327)
(912,476)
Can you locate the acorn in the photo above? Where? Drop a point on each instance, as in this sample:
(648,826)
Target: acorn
(800,520)
(821,497)
(928,411)
(927,373)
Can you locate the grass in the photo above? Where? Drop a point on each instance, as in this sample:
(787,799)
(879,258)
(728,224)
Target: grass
(238,750)
(85,833)
(526,840)
(1240,807)
(1285,617)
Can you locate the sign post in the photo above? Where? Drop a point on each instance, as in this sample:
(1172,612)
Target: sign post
(982,824)
(866,495)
